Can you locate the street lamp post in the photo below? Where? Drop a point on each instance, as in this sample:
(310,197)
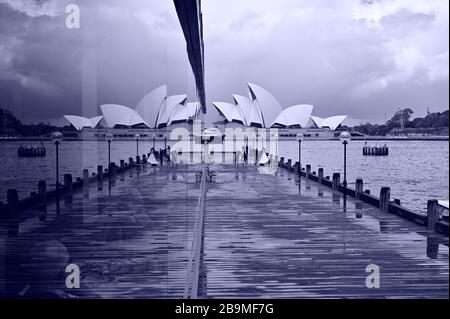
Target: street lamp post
(137,136)
(300,138)
(205,139)
(345,138)
(275,136)
(57,138)
(109,137)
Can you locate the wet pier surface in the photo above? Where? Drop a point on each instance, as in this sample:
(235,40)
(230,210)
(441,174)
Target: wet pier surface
(266,234)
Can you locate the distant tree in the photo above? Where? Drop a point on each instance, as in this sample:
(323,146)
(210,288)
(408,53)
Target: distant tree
(402,116)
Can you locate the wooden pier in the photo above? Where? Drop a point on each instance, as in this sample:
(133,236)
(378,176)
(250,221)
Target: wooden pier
(135,231)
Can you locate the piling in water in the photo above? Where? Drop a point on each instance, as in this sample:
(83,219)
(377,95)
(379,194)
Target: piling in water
(308,170)
(359,185)
(432,214)
(320,172)
(68,183)
(375,150)
(336,181)
(385,197)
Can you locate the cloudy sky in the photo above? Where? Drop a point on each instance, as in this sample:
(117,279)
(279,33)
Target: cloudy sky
(363,58)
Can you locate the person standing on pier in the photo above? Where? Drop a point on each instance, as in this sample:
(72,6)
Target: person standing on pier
(168,154)
(246,155)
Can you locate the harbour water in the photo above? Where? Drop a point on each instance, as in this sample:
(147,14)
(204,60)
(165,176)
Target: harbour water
(415,170)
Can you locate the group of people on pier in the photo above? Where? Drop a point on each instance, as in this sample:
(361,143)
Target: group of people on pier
(248,155)
(162,156)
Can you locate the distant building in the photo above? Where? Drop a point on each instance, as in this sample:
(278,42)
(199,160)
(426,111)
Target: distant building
(159,113)
(155,110)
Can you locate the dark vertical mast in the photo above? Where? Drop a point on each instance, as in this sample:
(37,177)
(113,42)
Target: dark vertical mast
(190,16)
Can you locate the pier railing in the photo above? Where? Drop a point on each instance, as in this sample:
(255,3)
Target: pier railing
(14,207)
(430,219)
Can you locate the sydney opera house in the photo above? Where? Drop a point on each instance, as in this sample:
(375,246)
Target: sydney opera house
(156,114)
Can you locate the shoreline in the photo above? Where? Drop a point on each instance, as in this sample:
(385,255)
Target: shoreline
(355,138)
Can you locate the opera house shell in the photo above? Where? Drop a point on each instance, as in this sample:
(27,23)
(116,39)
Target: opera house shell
(154,110)
(261,109)
(330,122)
(231,112)
(157,110)
(80,122)
(294,116)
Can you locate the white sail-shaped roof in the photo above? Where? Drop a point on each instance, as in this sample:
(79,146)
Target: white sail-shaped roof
(294,115)
(116,114)
(249,110)
(150,105)
(78,122)
(95,121)
(331,122)
(317,120)
(268,105)
(231,112)
(169,104)
(225,109)
(184,112)
(238,115)
(193,109)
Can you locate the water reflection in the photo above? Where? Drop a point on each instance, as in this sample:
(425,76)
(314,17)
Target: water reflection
(432,246)
(336,198)
(344,205)
(385,226)
(68,201)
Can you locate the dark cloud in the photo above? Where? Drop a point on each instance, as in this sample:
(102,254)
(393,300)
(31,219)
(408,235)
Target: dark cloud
(363,58)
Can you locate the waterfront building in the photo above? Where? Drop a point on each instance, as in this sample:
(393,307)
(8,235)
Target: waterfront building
(158,114)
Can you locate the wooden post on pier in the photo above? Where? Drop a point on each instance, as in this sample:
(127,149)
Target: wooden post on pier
(130,161)
(296,168)
(144,159)
(359,186)
(85,182)
(397,201)
(122,165)
(336,181)
(12,200)
(138,160)
(68,183)
(42,205)
(99,172)
(308,170)
(85,177)
(289,164)
(112,169)
(432,214)
(42,192)
(385,197)
(320,172)
(12,197)
(281,161)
